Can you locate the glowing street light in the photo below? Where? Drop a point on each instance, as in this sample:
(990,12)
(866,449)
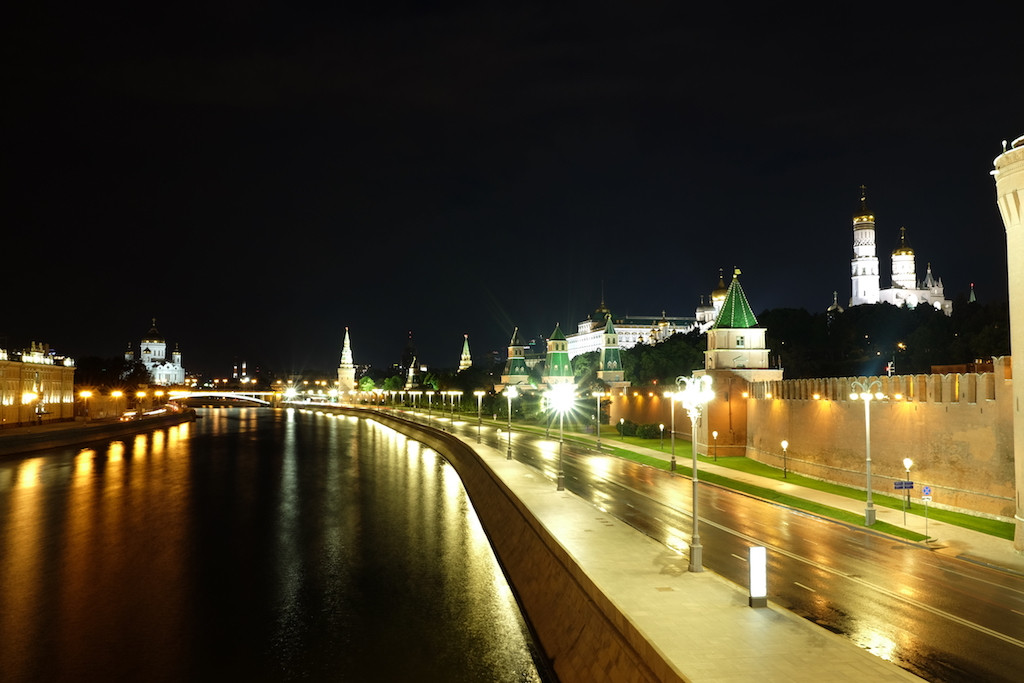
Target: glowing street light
(785,445)
(561,398)
(714,435)
(672,397)
(479,419)
(865,395)
(510,393)
(694,392)
(661,428)
(907,463)
(85,396)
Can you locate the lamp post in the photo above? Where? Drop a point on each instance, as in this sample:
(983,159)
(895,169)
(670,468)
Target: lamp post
(785,445)
(622,429)
(714,435)
(598,395)
(510,393)
(907,463)
(561,400)
(85,395)
(479,419)
(455,394)
(430,403)
(672,397)
(865,395)
(694,392)
(661,428)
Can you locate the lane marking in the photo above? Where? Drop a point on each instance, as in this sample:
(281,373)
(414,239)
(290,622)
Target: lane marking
(806,588)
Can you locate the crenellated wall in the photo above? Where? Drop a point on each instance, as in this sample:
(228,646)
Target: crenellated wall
(956,428)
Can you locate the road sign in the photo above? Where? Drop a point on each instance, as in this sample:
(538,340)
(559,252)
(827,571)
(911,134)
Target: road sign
(926,499)
(900,485)
(926,491)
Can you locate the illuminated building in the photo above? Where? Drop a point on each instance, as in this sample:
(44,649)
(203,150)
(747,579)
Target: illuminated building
(905,289)
(35,386)
(557,368)
(346,369)
(516,371)
(153,355)
(630,331)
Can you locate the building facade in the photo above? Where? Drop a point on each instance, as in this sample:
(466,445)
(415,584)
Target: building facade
(36,386)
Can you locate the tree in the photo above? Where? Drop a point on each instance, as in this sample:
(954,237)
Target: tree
(366,383)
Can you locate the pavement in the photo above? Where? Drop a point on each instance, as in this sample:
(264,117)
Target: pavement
(701,622)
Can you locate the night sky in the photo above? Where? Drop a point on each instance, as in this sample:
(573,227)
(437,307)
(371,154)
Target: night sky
(257,177)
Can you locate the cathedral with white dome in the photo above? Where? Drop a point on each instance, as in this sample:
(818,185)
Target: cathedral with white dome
(905,289)
(153,354)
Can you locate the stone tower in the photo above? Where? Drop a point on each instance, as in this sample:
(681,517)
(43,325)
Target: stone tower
(610,366)
(516,371)
(1009,177)
(466,361)
(346,369)
(865,263)
(558,369)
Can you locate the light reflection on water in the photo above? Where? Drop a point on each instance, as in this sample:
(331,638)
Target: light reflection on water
(253,544)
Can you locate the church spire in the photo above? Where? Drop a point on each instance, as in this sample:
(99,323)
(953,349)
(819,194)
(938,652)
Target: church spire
(466,361)
(346,368)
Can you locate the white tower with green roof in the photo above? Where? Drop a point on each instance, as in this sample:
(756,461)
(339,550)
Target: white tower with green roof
(734,340)
(558,369)
(610,366)
(516,371)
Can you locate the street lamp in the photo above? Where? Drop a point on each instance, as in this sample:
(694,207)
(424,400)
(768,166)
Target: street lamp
(661,428)
(866,396)
(456,393)
(622,429)
(785,445)
(561,399)
(598,395)
(430,402)
(714,435)
(510,393)
(907,462)
(85,395)
(479,420)
(672,398)
(694,392)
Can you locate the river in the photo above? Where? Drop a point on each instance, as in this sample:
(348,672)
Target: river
(253,544)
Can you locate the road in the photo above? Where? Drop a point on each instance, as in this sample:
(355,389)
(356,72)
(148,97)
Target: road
(938,617)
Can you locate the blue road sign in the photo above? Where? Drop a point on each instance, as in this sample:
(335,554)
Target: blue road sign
(926,491)
(900,485)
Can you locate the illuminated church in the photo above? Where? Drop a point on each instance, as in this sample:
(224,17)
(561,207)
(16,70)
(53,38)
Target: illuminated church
(153,354)
(905,290)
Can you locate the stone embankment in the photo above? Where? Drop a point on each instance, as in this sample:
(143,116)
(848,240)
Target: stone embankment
(59,435)
(567,612)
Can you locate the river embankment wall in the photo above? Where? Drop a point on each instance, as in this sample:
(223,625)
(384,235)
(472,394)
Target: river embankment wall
(61,435)
(582,633)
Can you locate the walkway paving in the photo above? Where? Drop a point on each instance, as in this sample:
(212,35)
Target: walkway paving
(700,622)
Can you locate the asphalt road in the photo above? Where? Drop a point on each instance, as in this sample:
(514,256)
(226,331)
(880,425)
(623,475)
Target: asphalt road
(940,618)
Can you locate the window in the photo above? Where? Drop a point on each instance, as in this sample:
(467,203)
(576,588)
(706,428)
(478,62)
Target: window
(740,342)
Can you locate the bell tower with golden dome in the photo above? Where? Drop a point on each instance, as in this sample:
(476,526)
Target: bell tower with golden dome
(904,270)
(865,262)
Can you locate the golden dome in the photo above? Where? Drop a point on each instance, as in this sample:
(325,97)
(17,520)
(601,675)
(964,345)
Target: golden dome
(721,290)
(903,249)
(864,214)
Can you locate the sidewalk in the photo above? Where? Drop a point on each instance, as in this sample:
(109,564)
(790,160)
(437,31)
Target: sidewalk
(700,622)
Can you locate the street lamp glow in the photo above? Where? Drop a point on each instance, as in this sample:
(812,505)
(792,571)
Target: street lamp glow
(479,419)
(863,392)
(694,392)
(561,398)
(785,447)
(510,393)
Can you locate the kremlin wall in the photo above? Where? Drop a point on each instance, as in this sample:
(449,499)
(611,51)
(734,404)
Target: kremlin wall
(957,428)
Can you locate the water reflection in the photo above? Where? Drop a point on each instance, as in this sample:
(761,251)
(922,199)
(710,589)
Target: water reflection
(253,544)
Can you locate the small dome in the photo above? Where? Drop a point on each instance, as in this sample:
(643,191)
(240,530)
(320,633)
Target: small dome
(721,290)
(903,249)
